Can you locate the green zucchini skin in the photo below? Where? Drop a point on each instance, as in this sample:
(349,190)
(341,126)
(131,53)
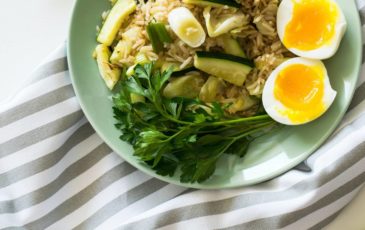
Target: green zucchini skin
(183,72)
(216,55)
(230,68)
(230,3)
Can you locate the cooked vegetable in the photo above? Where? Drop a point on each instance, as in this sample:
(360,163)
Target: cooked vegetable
(162,33)
(175,66)
(168,134)
(130,71)
(187,86)
(218,25)
(108,71)
(214,3)
(141,58)
(211,89)
(242,103)
(158,35)
(177,72)
(124,46)
(231,46)
(135,98)
(121,50)
(183,72)
(228,67)
(186,27)
(115,19)
(157,44)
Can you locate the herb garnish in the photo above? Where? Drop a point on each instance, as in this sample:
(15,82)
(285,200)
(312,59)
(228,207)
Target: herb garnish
(188,134)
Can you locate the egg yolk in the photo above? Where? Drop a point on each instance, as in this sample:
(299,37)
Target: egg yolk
(300,88)
(313,24)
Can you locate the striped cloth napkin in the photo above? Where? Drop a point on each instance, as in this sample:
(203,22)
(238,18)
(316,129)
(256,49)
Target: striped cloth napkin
(56,173)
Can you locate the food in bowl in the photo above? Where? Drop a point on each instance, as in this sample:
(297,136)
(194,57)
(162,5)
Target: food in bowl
(189,78)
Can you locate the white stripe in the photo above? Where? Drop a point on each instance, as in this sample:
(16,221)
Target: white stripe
(70,189)
(335,150)
(323,213)
(38,150)
(360,3)
(34,182)
(37,89)
(270,209)
(58,53)
(166,193)
(102,198)
(39,119)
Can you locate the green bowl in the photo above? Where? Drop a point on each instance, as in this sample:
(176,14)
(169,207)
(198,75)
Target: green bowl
(267,157)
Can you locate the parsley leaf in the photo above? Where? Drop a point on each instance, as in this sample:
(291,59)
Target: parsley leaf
(180,134)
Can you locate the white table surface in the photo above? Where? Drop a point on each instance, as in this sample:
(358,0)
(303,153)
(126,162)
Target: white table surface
(32,29)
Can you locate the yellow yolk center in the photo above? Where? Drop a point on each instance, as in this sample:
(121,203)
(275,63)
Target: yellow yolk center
(300,88)
(312,25)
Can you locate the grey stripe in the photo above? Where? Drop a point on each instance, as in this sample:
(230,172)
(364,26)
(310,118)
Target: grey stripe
(326,221)
(82,197)
(303,167)
(15,228)
(122,202)
(282,221)
(40,133)
(69,173)
(36,104)
(187,191)
(66,176)
(50,68)
(362,15)
(245,200)
(359,97)
(46,161)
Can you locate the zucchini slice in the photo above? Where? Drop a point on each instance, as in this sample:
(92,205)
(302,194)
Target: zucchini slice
(121,10)
(108,72)
(187,86)
(211,89)
(183,72)
(124,46)
(230,68)
(214,3)
(121,50)
(231,46)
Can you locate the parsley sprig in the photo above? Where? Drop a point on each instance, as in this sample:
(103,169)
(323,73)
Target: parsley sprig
(180,133)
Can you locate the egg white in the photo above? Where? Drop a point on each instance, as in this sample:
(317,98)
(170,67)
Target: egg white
(284,16)
(274,107)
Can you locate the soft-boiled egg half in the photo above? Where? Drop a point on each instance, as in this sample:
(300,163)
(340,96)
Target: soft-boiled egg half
(298,91)
(311,28)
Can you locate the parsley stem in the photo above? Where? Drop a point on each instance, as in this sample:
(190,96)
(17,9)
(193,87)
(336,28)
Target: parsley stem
(176,134)
(258,128)
(241,120)
(237,138)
